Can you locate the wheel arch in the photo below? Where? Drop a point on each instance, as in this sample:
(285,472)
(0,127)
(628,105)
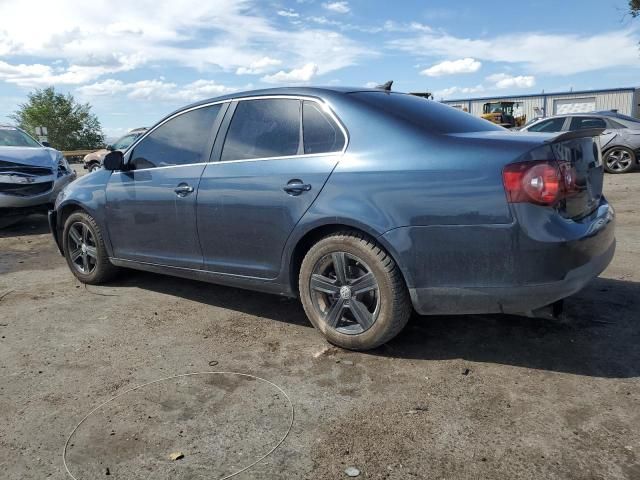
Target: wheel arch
(306,240)
(66,209)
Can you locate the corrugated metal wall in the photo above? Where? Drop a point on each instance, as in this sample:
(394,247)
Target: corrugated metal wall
(620,101)
(626,102)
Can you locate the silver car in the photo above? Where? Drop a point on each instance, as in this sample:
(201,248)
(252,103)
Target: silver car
(31,175)
(620,139)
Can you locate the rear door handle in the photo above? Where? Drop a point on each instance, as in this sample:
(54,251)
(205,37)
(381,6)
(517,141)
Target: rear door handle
(296,187)
(183,190)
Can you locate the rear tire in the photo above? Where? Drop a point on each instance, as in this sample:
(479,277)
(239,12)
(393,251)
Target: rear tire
(93,166)
(84,250)
(361,305)
(619,160)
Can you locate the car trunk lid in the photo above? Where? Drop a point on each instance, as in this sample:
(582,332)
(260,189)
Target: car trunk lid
(581,151)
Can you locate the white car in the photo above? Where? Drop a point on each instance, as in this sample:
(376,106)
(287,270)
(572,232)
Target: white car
(31,175)
(620,138)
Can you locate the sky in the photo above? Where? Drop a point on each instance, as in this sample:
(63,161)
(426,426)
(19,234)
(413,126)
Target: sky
(136,61)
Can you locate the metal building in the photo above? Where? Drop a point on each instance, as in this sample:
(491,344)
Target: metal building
(624,100)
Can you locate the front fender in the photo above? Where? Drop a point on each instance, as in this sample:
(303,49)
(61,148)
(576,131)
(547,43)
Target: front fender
(87,193)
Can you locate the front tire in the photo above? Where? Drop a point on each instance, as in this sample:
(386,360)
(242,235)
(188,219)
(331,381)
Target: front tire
(84,249)
(619,160)
(93,166)
(353,292)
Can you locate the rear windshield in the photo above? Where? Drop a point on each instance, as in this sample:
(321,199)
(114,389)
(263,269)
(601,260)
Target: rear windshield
(419,111)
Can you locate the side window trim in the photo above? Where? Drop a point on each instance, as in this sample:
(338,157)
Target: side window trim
(223,130)
(215,129)
(226,122)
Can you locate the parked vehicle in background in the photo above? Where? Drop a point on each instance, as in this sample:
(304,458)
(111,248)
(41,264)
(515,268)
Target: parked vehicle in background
(93,160)
(620,140)
(364,203)
(31,175)
(505,114)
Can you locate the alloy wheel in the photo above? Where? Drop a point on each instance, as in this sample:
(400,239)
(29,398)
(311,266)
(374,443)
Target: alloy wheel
(345,292)
(83,251)
(618,160)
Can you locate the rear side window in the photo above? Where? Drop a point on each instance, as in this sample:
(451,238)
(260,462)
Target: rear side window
(320,132)
(424,113)
(179,141)
(615,125)
(262,129)
(551,125)
(580,123)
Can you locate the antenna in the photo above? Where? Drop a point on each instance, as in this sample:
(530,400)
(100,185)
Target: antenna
(385,86)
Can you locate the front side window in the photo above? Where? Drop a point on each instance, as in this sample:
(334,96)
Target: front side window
(551,125)
(320,132)
(179,141)
(580,123)
(263,129)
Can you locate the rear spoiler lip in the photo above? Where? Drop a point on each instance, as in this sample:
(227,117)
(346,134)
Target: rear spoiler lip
(587,132)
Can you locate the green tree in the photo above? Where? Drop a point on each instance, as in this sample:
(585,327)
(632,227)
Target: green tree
(70,125)
(634,8)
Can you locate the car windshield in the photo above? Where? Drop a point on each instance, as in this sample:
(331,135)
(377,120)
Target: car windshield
(425,113)
(12,137)
(124,142)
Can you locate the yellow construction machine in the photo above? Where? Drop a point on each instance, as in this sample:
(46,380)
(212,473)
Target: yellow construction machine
(506,114)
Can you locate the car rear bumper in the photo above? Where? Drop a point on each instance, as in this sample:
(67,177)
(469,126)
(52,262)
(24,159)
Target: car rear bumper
(524,299)
(470,269)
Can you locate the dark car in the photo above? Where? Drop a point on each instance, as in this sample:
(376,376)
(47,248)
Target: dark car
(366,204)
(93,161)
(620,139)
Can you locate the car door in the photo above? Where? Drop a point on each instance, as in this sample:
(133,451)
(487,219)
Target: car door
(263,178)
(151,208)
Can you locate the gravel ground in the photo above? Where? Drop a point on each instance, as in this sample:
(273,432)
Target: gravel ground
(466,397)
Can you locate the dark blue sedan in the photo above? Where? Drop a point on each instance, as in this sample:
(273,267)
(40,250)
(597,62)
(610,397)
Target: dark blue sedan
(366,204)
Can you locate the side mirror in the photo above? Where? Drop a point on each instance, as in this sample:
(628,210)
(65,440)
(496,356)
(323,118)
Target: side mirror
(46,144)
(113,160)
(110,148)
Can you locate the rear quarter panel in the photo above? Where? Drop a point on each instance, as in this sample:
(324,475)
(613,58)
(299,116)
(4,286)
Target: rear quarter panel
(395,175)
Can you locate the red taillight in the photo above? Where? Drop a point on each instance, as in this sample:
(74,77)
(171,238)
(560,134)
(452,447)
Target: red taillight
(543,183)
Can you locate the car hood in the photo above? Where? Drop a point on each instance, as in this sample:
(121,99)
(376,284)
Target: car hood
(30,156)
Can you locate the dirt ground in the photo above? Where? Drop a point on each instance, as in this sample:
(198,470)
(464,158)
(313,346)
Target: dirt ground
(469,397)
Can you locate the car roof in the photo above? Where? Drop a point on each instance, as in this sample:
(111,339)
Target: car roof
(303,91)
(310,91)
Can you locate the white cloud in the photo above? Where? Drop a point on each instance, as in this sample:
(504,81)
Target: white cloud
(225,35)
(337,7)
(371,84)
(452,67)
(297,75)
(37,75)
(156,89)
(450,91)
(259,66)
(288,13)
(503,80)
(540,53)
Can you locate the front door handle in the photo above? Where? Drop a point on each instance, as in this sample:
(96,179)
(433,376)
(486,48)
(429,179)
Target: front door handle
(183,190)
(296,187)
